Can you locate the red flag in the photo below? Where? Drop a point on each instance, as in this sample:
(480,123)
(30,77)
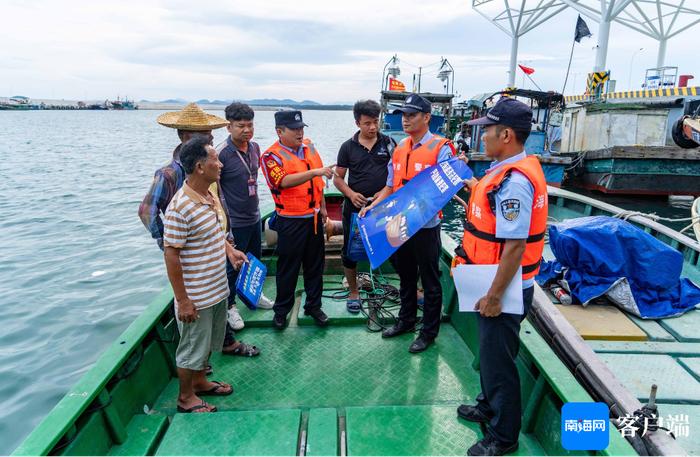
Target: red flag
(396,85)
(526,70)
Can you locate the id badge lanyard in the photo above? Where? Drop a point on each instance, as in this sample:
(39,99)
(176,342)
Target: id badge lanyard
(252,182)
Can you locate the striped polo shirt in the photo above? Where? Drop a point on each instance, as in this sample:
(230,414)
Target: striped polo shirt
(193,225)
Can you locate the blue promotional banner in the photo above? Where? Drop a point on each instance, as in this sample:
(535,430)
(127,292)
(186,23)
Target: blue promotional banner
(249,284)
(585,426)
(396,219)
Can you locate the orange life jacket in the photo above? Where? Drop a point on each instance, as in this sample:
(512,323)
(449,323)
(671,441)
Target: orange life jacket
(305,198)
(479,244)
(407,162)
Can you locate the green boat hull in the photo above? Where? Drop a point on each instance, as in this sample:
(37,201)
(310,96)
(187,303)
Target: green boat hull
(337,391)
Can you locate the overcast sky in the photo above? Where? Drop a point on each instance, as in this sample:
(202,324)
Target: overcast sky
(327,51)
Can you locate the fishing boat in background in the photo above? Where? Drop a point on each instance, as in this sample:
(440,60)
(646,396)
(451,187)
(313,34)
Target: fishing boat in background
(546,108)
(118,104)
(394,92)
(18,103)
(632,142)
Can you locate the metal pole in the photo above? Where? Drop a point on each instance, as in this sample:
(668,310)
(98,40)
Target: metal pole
(661,56)
(420,70)
(513,61)
(629,79)
(603,37)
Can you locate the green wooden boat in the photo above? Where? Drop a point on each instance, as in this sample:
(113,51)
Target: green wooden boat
(335,391)
(620,363)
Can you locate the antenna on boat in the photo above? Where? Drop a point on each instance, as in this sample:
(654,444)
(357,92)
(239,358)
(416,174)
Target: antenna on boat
(445,73)
(391,68)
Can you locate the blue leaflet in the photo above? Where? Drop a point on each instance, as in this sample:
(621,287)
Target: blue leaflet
(395,220)
(249,284)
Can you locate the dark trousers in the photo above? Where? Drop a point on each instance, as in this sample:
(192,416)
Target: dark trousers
(420,256)
(247,239)
(499,399)
(298,245)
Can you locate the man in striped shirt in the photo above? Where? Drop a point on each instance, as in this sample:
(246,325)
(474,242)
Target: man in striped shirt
(195,256)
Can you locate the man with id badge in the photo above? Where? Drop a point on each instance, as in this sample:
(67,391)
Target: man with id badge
(240,157)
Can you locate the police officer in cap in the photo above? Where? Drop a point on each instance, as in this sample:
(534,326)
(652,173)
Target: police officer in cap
(419,255)
(506,223)
(294,172)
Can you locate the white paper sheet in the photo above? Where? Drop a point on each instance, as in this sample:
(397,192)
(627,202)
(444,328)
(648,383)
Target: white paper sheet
(473,281)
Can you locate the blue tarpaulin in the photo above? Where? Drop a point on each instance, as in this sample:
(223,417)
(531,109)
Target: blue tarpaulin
(604,256)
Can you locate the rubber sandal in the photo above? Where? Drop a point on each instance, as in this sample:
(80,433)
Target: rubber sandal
(214,391)
(208,371)
(244,350)
(196,408)
(354,305)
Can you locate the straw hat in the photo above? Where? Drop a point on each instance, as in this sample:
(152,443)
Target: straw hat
(191,118)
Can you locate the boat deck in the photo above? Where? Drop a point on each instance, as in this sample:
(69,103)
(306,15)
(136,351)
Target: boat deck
(340,390)
(318,391)
(642,352)
(316,387)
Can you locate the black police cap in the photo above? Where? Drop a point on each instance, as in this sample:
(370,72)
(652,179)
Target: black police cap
(289,118)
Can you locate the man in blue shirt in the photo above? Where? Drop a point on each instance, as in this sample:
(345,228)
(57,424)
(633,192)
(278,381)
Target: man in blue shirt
(508,209)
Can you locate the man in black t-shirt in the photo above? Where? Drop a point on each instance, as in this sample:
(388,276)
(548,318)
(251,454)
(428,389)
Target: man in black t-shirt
(366,156)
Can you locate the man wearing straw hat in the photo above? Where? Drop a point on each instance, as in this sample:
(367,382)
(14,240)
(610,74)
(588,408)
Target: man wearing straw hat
(189,122)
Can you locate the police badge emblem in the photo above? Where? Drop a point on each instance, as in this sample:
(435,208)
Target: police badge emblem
(510,209)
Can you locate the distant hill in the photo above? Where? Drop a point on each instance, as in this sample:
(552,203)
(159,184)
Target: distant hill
(168,101)
(254,102)
(270,102)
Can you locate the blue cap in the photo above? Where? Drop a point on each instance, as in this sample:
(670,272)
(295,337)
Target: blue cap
(509,112)
(289,118)
(414,103)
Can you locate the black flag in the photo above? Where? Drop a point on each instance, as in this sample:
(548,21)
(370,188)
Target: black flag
(581,30)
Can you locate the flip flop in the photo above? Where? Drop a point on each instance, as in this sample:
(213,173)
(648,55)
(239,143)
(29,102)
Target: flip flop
(196,408)
(245,350)
(354,305)
(214,391)
(208,371)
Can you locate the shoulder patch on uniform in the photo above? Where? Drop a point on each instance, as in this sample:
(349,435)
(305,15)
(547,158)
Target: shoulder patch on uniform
(271,163)
(510,209)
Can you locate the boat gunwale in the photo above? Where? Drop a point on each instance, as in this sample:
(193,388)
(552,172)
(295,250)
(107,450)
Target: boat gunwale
(641,220)
(81,395)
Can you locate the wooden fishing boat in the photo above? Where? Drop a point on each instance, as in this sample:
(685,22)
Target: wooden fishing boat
(544,105)
(340,390)
(618,357)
